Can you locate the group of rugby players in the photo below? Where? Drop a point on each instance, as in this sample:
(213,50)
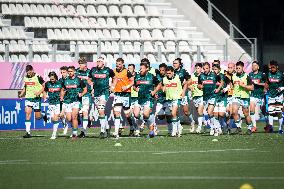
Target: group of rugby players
(81,94)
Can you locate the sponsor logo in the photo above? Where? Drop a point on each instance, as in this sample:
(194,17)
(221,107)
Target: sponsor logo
(100,76)
(237,82)
(195,82)
(83,77)
(142,82)
(53,90)
(71,86)
(10,117)
(256,80)
(208,82)
(171,85)
(30,83)
(273,80)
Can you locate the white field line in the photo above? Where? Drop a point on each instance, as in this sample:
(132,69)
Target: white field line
(26,162)
(171,178)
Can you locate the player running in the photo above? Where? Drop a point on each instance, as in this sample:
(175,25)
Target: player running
(242,85)
(64,75)
(207,81)
(122,91)
(144,84)
(32,91)
(256,97)
(197,94)
(274,85)
(74,88)
(100,77)
(53,89)
(83,73)
(174,93)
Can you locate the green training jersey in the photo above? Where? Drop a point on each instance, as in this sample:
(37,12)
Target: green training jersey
(274,81)
(146,84)
(100,78)
(84,76)
(53,90)
(161,96)
(183,75)
(257,78)
(221,96)
(209,82)
(73,86)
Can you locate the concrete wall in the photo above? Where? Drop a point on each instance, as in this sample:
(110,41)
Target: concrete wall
(210,28)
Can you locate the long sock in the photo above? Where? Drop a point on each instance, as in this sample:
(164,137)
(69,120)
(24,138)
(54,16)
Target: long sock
(147,122)
(215,122)
(175,126)
(152,119)
(223,122)
(64,122)
(170,126)
(103,123)
(106,123)
(116,124)
(252,115)
(238,123)
(28,126)
(270,120)
(74,131)
(131,125)
(85,124)
(134,123)
(55,127)
(191,120)
(200,119)
(280,123)
(211,120)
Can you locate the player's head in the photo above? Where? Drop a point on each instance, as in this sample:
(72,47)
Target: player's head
(82,63)
(273,66)
(131,68)
(177,63)
(162,69)
(100,62)
(240,67)
(119,64)
(216,68)
(255,66)
(206,67)
(71,71)
(64,71)
(170,71)
(231,68)
(52,77)
(216,62)
(30,71)
(144,68)
(198,68)
(147,61)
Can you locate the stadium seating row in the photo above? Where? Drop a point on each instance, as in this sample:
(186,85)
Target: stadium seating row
(80,10)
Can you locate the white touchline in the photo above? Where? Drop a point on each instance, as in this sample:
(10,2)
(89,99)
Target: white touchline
(58,163)
(171,178)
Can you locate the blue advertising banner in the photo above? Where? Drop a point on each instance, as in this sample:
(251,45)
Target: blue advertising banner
(12,115)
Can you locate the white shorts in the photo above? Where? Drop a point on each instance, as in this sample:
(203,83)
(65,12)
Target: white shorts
(275,104)
(69,107)
(160,109)
(230,100)
(220,107)
(121,101)
(147,104)
(257,101)
(241,102)
(85,104)
(211,101)
(100,100)
(54,110)
(34,105)
(169,106)
(198,101)
(184,101)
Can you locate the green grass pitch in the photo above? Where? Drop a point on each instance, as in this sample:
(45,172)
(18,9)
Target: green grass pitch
(192,161)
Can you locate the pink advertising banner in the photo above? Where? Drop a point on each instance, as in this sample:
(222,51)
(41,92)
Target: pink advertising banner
(12,74)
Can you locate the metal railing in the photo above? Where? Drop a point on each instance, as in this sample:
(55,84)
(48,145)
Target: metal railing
(161,52)
(235,34)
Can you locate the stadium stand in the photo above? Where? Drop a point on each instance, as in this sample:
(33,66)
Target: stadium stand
(39,28)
